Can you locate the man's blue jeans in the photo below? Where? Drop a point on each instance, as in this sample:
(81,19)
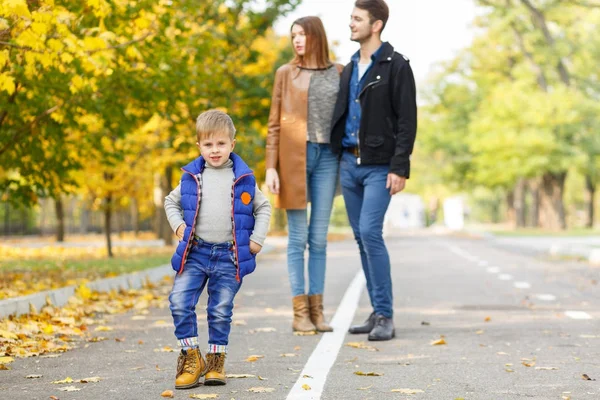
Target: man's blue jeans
(367,200)
(211,266)
(321,179)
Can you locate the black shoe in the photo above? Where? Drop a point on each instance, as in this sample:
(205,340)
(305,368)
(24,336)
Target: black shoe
(383,330)
(364,328)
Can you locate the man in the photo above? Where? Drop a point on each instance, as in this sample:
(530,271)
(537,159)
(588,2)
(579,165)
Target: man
(374,127)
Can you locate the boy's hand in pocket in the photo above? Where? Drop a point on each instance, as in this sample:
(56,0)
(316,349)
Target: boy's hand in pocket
(255,248)
(179,231)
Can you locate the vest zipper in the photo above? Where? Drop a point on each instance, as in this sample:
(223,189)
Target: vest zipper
(187,246)
(237,260)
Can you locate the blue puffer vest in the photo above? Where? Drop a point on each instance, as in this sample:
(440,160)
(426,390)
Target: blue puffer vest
(242,207)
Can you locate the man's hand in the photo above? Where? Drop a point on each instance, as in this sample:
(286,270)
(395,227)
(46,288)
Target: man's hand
(179,231)
(255,248)
(395,183)
(272,180)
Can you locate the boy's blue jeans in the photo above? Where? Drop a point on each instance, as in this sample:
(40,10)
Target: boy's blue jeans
(212,266)
(367,201)
(321,180)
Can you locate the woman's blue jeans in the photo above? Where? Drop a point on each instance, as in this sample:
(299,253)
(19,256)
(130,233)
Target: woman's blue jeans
(322,168)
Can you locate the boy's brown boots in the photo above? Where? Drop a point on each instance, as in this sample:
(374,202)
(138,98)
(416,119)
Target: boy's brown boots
(190,368)
(216,369)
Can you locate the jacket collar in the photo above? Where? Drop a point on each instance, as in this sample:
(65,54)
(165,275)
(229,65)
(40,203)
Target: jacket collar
(384,53)
(239,166)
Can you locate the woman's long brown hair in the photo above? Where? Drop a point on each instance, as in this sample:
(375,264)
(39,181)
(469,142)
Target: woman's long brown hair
(316,48)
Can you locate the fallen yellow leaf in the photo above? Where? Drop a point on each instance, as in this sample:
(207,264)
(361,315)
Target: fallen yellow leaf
(305,387)
(361,345)
(528,363)
(240,376)
(8,335)
(68,379)
(288,355)
(407,391)
(487,319)
(33,376)
(167,393)
(360,373)
(204,396)
(254,358)
(309,333)
(439,342)
(102,328)
(365,388)
(83,291)
(93,379)
(6,360)
(260,389)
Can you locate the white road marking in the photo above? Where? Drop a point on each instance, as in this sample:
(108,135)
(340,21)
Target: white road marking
(460,252)
(522,285)
(324,355)
(545,297)
(578,315)
(493,270)
(505,277)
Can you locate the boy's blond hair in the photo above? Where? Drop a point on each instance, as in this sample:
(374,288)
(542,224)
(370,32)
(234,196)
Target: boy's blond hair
(213,122)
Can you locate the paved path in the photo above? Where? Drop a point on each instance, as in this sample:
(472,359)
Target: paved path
(538,313)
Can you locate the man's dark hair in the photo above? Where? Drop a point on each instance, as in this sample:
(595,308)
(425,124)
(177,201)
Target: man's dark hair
(378,10)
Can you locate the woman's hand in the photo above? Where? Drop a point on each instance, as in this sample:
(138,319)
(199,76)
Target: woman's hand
(272,180)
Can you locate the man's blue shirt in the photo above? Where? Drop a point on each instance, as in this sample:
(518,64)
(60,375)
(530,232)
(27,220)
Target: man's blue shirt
(350,138)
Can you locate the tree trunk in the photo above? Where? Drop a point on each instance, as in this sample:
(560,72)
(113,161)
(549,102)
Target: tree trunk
(60,219)
(135,217)
(6,219)
(519,202)
(590,195)
(552,210)
(84,219)
(534,189)
(164,229)
(107,223)
(510,208)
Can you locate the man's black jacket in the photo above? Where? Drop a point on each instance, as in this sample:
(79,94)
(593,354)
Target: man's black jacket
(388,125)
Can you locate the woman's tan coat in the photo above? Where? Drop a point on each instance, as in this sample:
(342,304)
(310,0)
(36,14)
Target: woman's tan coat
(286,137)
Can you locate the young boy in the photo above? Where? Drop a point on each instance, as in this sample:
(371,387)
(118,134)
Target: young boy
(221,219)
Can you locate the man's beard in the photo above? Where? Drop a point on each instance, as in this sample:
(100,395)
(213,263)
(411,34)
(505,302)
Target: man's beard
(361,38)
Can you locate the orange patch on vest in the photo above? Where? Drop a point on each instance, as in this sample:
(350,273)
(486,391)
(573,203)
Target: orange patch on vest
(246,198)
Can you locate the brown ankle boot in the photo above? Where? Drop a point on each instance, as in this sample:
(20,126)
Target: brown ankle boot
(216,369)
(302,315)
(316,313)
(190,368)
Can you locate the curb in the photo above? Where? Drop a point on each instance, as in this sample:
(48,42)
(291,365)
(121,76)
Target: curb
(59,297)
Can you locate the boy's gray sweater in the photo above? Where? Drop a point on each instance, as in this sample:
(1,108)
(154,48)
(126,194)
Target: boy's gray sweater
(214,224)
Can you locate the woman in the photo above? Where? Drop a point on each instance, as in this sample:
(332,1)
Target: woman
(300,165)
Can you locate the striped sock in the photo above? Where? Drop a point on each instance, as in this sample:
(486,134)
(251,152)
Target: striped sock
(217,348)
(189,343)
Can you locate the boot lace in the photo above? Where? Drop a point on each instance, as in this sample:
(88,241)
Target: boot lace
(186,363)
(215,361)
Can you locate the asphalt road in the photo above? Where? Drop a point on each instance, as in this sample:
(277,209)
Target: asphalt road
(514,327)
